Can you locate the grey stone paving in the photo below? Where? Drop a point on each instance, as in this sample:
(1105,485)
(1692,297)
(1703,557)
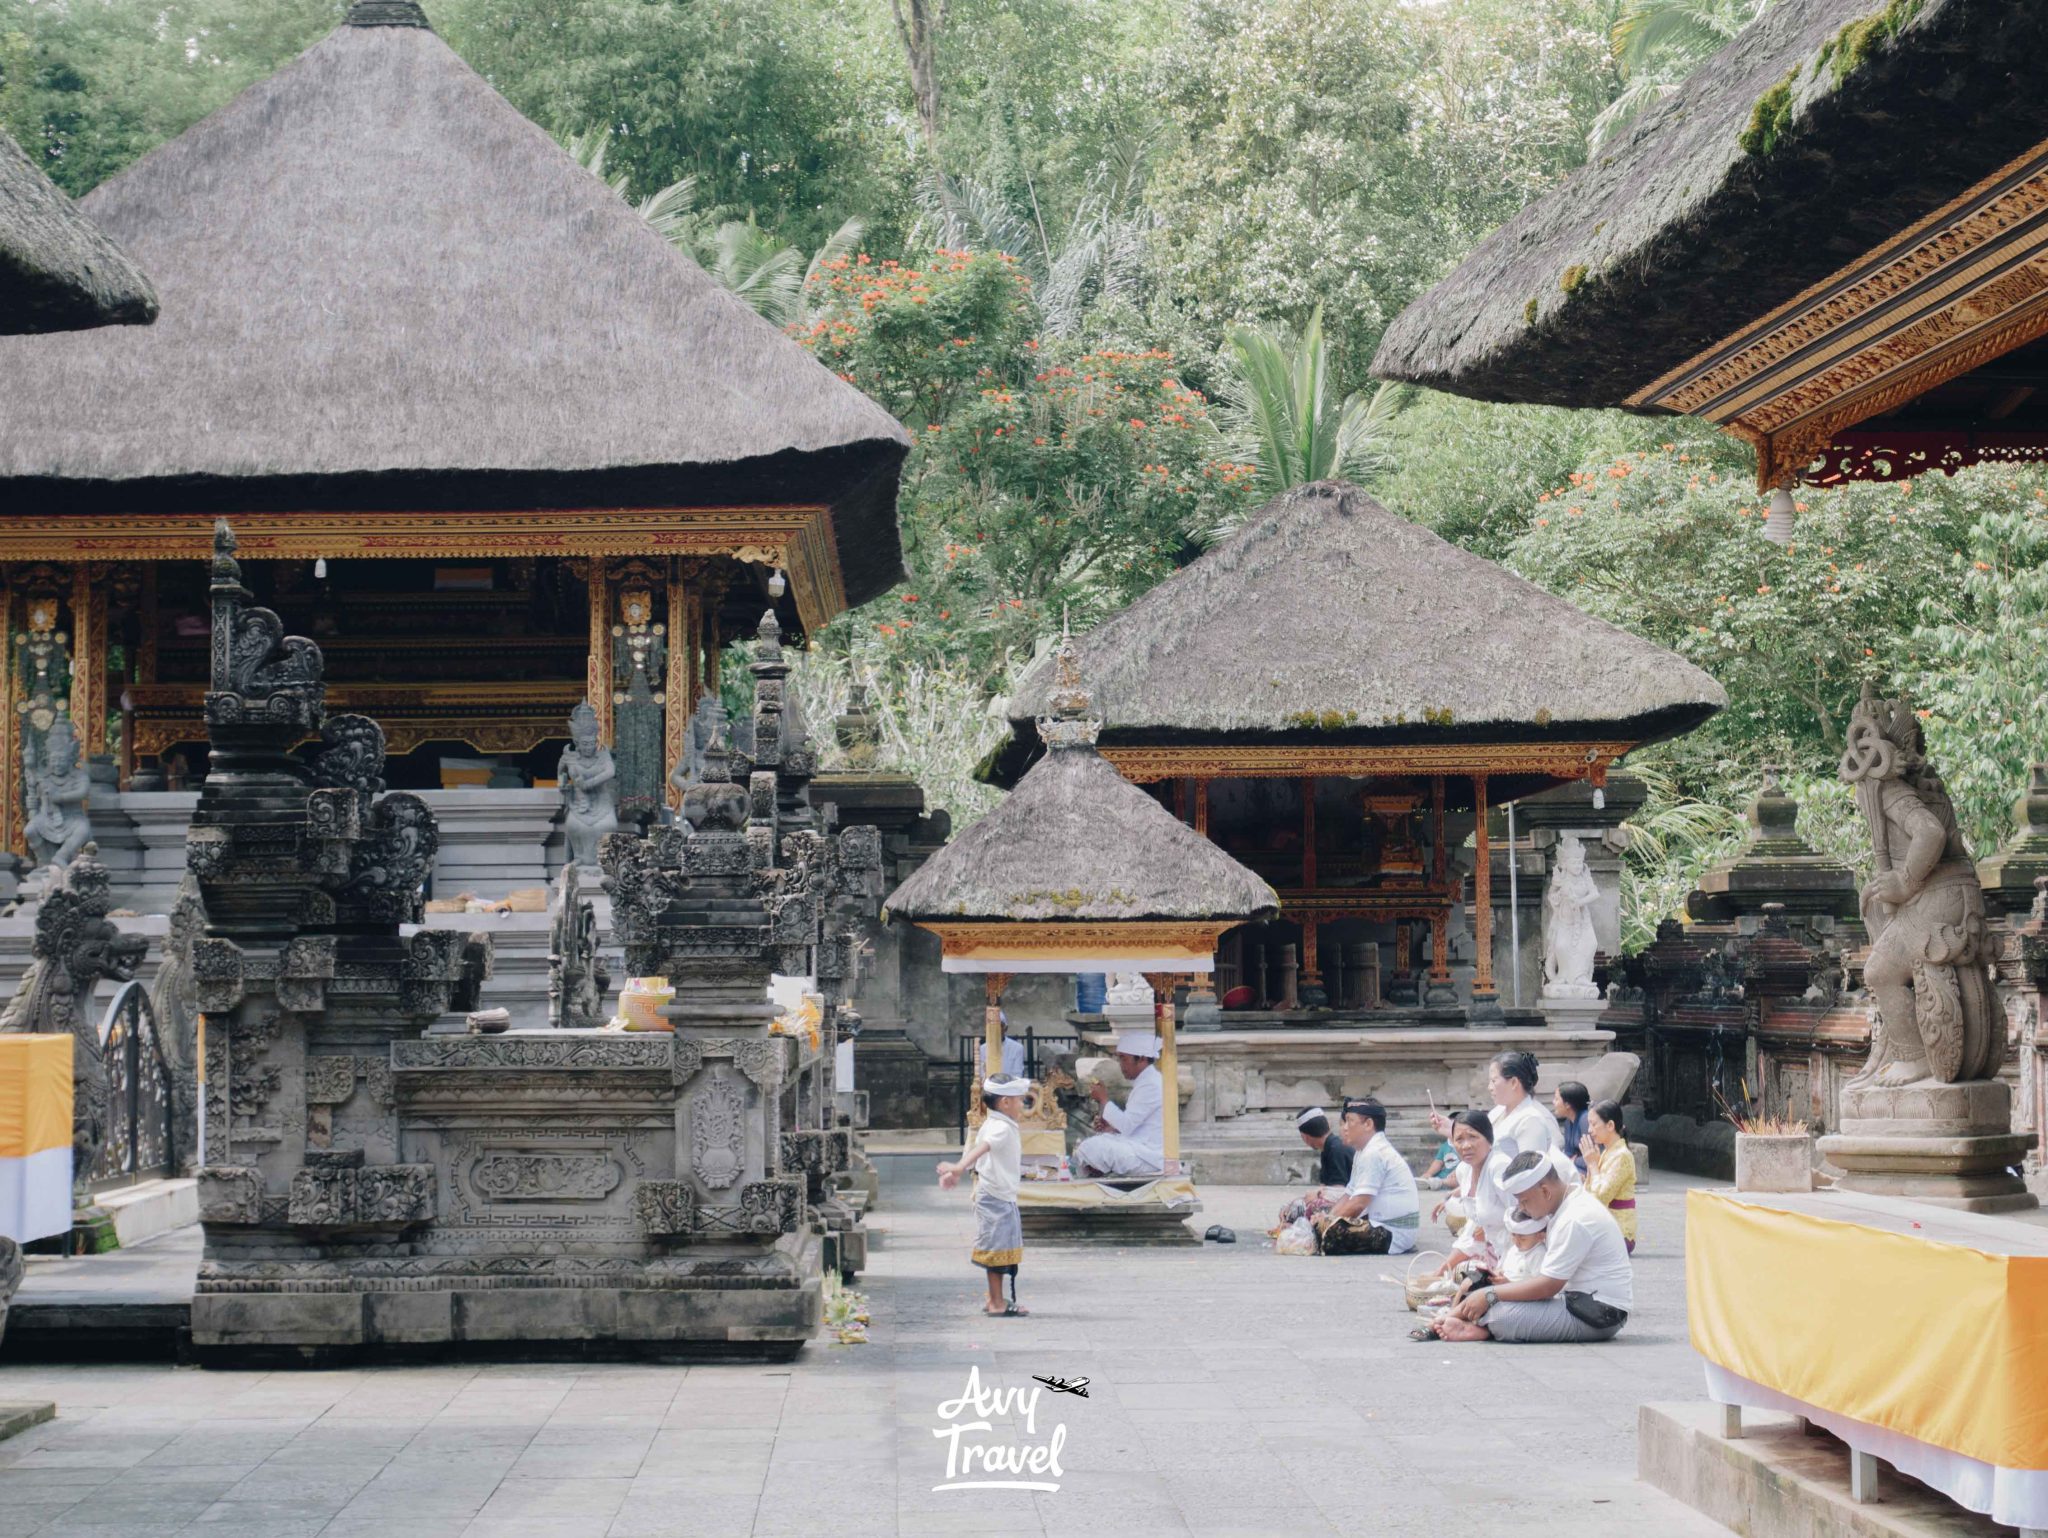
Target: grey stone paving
(1231,1391)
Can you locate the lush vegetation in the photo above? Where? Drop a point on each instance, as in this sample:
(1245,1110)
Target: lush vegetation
(1119,267)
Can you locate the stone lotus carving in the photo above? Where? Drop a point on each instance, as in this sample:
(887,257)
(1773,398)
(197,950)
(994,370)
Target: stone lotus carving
(1569,944)
(76,946)
(718,1115)
(1925,911)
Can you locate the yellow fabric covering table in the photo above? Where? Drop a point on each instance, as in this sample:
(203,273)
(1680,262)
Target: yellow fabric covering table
(1916,1334)
(35,1136)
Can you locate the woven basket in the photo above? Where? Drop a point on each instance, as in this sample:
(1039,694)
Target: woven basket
(1420,1290)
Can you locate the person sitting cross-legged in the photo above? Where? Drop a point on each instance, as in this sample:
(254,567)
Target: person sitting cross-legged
(1131,1139)
(1328,1177)
(1381,1209)
(1584,1287)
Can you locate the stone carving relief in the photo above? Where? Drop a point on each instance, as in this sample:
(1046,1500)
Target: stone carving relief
(515,1175)
(718,1114)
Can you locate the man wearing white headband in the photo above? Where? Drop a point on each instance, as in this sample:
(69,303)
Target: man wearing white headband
(1583,1288)
(997,1158)
(1333,1154)
(1131,1138)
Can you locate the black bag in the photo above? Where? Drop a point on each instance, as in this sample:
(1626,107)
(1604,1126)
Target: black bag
(1594,1314)
(1352,1236)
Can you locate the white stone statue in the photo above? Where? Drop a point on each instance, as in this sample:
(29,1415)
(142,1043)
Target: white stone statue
(1128,997)
(1569,944)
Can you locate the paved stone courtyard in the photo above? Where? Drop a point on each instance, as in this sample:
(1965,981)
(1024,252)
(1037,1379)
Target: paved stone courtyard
(1230,1391)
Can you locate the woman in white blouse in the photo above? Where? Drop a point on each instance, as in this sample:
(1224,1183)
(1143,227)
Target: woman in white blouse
(1521,1122)
(1479,1199)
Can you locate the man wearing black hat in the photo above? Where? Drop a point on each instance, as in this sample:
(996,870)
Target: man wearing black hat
(1334,1158)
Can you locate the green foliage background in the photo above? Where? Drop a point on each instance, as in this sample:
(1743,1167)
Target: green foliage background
(1048,295)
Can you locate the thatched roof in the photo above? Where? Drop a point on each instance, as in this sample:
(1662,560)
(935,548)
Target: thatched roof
(1717,206)
(385,288)
(1076,841)
(1328,619)
(58,270)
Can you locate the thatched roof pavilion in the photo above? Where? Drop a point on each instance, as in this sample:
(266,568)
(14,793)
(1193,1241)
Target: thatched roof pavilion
(1078,870)
(1075,846)
(1835,224)
(1327,621)
(58,270)
(384,288)
(475,419)
(1329,640)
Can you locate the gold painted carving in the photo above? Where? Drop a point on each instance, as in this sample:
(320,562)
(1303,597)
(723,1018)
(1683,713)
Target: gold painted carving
(1966,284)
(1105,941)
(798,538)
(1560,760)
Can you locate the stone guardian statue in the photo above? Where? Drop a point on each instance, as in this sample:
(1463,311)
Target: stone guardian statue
(58,826)
(588,779)
(639,674)
(42,689)
(1569,944)
(1924,909)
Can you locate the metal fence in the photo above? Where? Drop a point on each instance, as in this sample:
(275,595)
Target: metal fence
(142,1138)
(1039,1051)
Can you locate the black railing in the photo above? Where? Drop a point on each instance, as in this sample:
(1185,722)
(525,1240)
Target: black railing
(142,1099)
(1039,1051)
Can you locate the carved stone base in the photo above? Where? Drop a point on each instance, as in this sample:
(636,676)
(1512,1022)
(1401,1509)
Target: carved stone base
(1927,1109)
(757,1304)
(1973,1173)
(1572,1014)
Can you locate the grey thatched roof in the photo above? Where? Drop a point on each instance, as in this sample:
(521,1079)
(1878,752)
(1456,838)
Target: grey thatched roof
(383,287)
(1327,618)
(58,270)
(1077,841)
(1680,235)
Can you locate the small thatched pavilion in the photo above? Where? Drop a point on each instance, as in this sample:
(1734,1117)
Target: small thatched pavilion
(1336,695)
(1832,241)
(1078,870)
(462,402)
(58,270)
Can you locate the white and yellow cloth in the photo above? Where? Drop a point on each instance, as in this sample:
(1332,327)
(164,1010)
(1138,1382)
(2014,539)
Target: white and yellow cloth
(35,1136)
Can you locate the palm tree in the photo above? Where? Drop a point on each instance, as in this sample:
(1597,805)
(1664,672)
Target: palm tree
(1279,414)
(1657,44)
(768,274)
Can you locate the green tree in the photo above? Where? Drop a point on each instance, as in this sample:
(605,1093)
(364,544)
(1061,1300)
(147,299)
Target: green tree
(1282,415)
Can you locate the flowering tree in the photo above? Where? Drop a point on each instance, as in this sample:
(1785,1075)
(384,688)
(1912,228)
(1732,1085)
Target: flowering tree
(1046,477)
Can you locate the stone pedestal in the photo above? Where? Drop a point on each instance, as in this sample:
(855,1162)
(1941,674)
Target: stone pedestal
(160,819)
(1573,1013)
(1948,1144)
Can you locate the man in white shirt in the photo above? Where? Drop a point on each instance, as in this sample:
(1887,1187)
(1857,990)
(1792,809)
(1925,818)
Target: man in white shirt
(997,1159)
(1133,1136)
(1585,1286)
(1381,1208)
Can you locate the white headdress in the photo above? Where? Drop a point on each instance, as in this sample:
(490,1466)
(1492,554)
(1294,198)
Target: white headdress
(991,1087)
(1139,1043)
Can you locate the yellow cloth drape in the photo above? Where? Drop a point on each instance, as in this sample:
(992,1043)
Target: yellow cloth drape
(1938,1341)
(1614,1180)
(1169,1191)
(35,1094)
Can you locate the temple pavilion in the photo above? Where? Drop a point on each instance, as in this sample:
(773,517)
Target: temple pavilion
(478,426)
(1831,241)
(1336,697)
